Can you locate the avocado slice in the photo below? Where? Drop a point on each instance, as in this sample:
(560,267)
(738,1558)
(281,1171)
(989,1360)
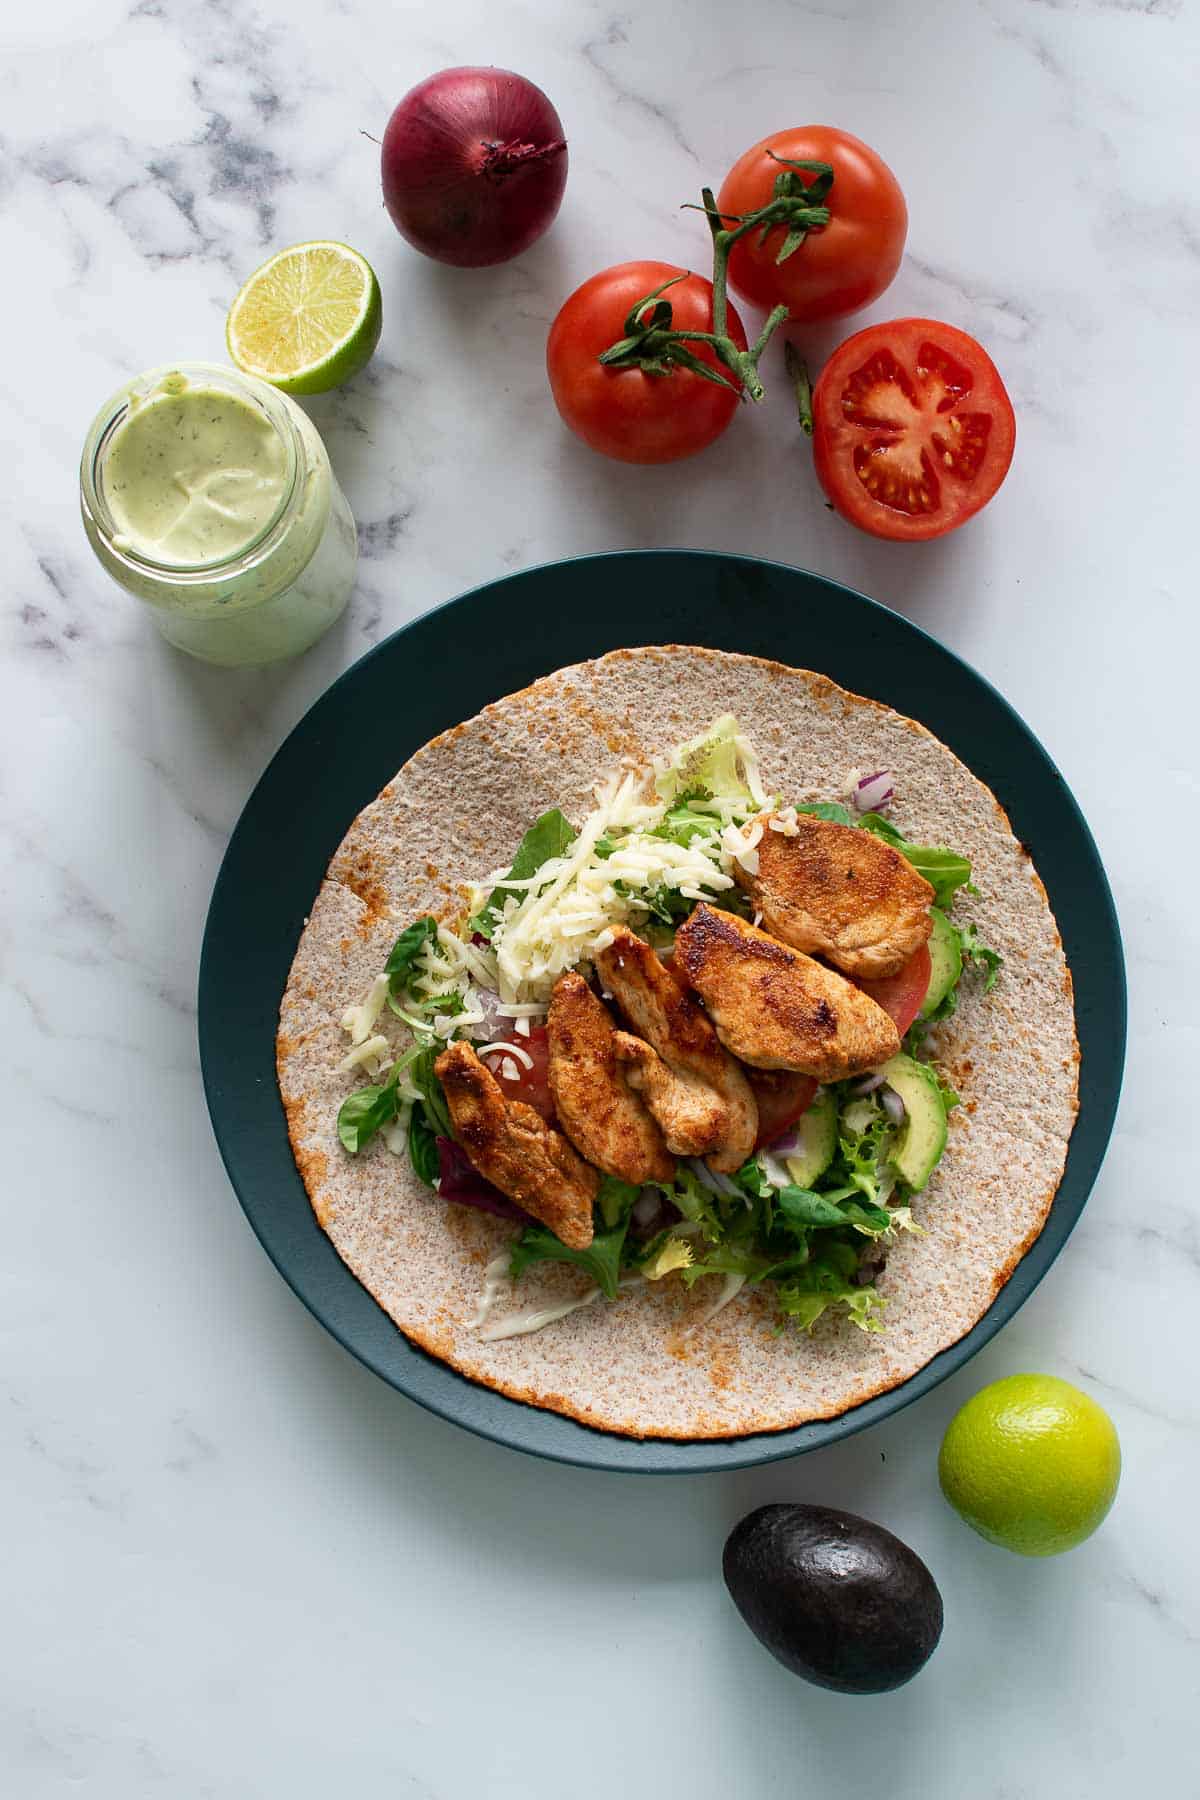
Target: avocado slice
(922,1137)
(816,1135)
(946,958)
(836,1598)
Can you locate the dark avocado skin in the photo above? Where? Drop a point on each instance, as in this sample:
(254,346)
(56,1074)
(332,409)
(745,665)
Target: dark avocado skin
(834,1597)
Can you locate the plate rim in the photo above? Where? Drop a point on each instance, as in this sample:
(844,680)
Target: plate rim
(516,1424)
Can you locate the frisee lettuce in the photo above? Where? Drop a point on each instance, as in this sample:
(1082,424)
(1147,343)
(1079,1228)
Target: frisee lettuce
(712,766)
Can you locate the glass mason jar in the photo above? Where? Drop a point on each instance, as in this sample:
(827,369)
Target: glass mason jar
(208,494)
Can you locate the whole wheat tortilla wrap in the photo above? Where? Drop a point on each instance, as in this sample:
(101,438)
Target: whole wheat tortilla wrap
(458,809)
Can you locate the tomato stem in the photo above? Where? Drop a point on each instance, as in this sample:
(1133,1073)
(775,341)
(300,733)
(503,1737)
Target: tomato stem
(652,342)
(797,369)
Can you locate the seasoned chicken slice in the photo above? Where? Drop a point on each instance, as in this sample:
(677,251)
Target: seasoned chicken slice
(663,1012)
(596,1106)
(775,1007)
(841,893)
(513,1147)
(693,1117)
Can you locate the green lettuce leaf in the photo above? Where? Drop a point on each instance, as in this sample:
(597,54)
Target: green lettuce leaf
(709,767)
(615,1201)
(551,835)
(404,952)
(735,1258)
(695,1202)
(801,1208)
(602,1259)
(828,1281)
(684,822)
(860,1162)
(978,954)
(424,1079)
(367,1110)
(833,810)
(422,1145)
(944,870)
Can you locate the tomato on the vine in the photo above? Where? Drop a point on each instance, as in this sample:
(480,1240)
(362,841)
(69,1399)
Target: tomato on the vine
(838,268)
(912,429)
(629,412)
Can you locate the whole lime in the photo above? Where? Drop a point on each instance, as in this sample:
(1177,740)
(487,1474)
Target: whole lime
(1031,1463)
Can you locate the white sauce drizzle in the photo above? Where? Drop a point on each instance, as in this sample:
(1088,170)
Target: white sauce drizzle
(536,1318)
(731,1287)
(493,1280)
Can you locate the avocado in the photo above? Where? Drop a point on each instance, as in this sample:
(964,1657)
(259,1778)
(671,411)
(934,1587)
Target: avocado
(945,958)
(816,1140)
(922,1137)
(835,1598)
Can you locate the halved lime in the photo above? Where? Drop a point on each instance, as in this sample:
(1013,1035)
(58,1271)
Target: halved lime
(307,320)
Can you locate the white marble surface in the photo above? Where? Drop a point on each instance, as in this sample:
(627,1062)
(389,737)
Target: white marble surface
(235,1563)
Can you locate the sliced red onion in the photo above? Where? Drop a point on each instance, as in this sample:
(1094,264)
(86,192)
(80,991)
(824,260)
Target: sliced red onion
(893,1105)
(774,1170)
(867,1085)
(716,1184)
(786,1144)
(458,1180)
(874,792)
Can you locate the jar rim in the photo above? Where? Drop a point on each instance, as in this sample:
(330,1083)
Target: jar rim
(113,414)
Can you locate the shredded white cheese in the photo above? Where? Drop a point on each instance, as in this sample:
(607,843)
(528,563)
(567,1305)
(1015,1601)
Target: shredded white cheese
(367,1055)
(360,1020)
(512,1049)
(741,845)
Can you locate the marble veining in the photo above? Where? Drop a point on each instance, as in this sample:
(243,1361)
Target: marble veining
(237,1564)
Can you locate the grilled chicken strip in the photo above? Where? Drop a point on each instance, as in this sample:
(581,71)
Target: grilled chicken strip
(669,1018)
(693,1117)
(841,893)
(513,1147)
(776,1008)
(604,1118)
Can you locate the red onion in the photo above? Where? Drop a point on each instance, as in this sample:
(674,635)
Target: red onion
(867,1085)
(874,791)
(893,1105)
(716,1184)
(458,1180)
(474,166)
(786,1144)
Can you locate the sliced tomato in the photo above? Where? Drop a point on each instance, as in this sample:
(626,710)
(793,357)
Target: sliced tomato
(901,995)
(517,1082)
(913,431)
(782,1098)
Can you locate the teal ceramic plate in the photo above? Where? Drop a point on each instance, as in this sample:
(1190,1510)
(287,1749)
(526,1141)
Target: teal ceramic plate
(446,666)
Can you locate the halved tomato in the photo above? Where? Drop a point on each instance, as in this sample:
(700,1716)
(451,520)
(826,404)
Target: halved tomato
(913,431)
(532,1085)
(782,1097)
(901,995)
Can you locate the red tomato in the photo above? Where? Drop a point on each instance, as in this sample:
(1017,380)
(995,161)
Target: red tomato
(912,429)
(782,1097)
(901,995)
(627,413)
(531,1085)
(840,267)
